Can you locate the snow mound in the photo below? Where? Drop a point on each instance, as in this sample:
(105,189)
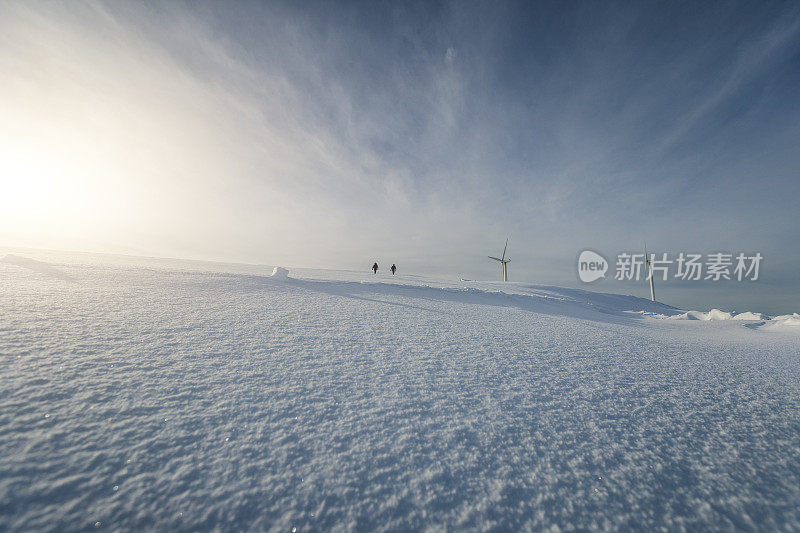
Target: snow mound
(716,314)
(783,323)
(760,321)
(748,316)
(279,273)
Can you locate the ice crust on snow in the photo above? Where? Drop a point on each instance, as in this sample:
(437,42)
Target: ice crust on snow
(168,399)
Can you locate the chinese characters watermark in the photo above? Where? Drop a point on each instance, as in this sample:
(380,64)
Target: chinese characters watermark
(683,266)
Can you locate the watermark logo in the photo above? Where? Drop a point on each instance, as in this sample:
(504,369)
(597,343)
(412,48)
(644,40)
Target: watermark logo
(631,266)
(591,266)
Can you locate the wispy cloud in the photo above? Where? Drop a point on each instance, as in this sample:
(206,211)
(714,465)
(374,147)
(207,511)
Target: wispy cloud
(751,58)
(328,136)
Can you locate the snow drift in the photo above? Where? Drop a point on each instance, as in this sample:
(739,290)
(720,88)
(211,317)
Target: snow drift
(716,314)
(784,323)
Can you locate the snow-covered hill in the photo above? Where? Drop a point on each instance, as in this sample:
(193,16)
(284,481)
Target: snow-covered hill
(171,396)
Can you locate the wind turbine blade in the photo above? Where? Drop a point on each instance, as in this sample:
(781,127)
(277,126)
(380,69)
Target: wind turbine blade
(504,249)
(495,258)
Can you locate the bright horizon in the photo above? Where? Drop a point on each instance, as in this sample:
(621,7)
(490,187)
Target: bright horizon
(332,136)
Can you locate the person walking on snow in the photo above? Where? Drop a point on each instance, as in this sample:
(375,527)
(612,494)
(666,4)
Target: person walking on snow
(393,269)
(375,268)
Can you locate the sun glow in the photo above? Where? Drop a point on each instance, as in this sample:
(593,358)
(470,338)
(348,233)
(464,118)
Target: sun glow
(48,182)
(82,157)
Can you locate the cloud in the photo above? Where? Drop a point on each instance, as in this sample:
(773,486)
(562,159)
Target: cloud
(751,59)
(329,137)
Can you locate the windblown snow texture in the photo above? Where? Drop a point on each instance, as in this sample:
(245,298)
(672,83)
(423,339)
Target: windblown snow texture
(158,397)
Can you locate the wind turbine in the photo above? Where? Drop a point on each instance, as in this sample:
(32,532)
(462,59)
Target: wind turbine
(649,266)
(503,261)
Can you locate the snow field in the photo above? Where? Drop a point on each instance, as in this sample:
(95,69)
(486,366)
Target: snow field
(134,398)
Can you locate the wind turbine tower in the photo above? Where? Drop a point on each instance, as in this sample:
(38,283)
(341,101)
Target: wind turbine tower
(503,261)
(649,266)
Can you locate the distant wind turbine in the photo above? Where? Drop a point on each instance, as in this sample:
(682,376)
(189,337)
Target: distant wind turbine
(503,261)
(649,266)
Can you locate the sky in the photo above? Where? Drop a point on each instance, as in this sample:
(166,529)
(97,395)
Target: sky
(332,135)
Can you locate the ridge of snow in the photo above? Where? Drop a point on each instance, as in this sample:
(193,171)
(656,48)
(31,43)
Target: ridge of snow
(788,323)
(784,323)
